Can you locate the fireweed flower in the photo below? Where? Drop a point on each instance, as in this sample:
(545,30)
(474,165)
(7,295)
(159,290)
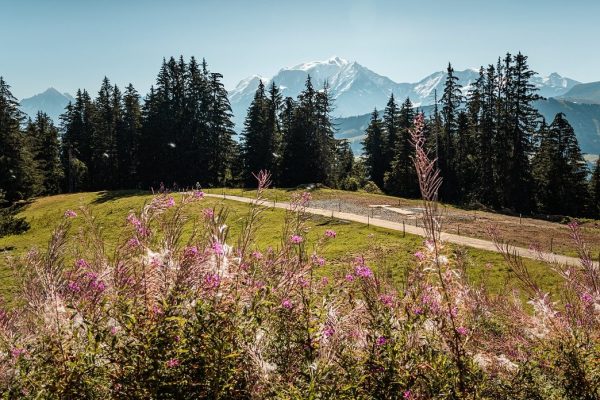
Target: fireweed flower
(257,255)
(328,331)
(349,277)
(198,194)
(320,261)
(387,300)
(330,233)
(419,255)
(172,363)
(17,352)
(217,248)
(170,202)
(190,251)
(407,394)
(208,213)
(70,214)
(381,340)
(287,304)
(212,281)
(461,330)
(133,220)
(133,242)
(363,271)
(296,239)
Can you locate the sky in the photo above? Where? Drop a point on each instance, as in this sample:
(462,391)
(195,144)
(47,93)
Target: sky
(70,44)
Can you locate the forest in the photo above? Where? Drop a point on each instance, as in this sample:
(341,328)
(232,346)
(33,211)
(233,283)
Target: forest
(492,146)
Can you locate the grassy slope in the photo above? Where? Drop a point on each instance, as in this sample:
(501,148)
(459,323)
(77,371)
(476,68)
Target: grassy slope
(384,248)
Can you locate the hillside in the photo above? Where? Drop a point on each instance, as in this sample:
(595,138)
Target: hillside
(110,210)
(588,93)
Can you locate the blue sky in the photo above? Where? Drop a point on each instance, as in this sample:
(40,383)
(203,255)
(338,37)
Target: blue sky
(74,43)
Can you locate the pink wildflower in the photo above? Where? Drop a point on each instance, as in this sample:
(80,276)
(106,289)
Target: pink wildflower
(407,394)
(330,233)
(349,277)
(172,363)
(133,242)
(587,298)
(114,330)
(420,256)
(461,330)
(320,261)
(170,202)
(208,213)
(81,263)
(387,300)
(257,255)
(303,282)
(217,248)
(212,281)
(363,271)
(328,331)
(70,214)
(296,239)
(381,340)
(190,252)
(198,194)
(133,220)
(74,287)
(287,304)
(17,352)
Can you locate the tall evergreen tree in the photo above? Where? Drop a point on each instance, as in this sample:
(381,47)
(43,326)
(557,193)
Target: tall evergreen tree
(560,170)
(401,178)
(375,148)
(392,130)
(46,153)
(255,150)
(16,169)
(128,139)
(451,102)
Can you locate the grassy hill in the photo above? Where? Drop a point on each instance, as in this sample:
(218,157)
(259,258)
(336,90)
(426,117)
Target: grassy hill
(386,250)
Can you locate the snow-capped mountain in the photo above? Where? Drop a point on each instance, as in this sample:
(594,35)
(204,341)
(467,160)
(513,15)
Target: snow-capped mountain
(52,102)
(357,90)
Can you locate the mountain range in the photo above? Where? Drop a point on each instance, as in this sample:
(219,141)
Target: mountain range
(356,90)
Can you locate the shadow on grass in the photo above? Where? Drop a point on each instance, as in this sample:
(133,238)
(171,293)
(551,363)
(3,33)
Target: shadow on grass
(111,195)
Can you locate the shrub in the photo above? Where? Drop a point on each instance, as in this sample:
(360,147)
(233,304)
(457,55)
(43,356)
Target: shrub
(371,187)
(350,184)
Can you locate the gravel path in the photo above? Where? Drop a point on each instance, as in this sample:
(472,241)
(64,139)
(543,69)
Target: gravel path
(362,214)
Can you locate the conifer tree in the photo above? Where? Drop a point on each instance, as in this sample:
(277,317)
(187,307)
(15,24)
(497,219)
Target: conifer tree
(128,139)
(391,129)
(560,170)
(46,153)
(16,166)
(255,150)
(451,103)
(401,178)
(375,148)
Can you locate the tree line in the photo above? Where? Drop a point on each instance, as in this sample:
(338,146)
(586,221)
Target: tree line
(492,146)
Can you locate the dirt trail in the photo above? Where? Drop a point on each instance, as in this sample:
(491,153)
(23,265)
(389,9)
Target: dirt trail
(415,230)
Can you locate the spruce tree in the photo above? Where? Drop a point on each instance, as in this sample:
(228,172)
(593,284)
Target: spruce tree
(16,166)
(46,153)
(451,103)
(391,129)
(374,149)
(255,149)
(128,139)
(401,178)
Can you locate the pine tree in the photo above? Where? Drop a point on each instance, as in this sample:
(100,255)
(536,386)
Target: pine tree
(401,178)
(128,139)
(343,163)
(255,149)
(16,169)
(374,148)
(451,103)
(46,153)
(103,168)
(560,170)
(391,129)
(221,150)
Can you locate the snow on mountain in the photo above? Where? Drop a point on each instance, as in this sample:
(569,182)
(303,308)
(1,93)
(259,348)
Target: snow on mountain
(52,102)
(357,90)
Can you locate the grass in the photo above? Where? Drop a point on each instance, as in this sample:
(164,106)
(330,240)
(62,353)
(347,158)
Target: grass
(387,250)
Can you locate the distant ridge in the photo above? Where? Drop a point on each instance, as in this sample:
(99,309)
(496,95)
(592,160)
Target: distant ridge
(51,101)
